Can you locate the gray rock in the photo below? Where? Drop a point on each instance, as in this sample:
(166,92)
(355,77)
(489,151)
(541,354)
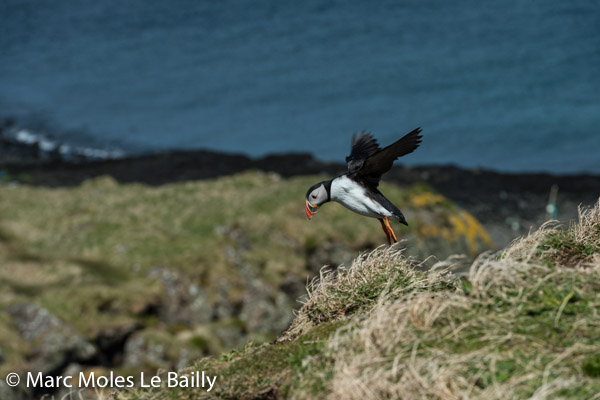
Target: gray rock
(327,253)
(140,351)
(54,342)
(265,310)
(224,308)
(183,302)
(230,336)
(10,393)
(157,349)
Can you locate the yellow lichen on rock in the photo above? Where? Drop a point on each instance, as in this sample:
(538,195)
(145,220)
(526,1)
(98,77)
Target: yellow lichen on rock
(427,199)
(438,228)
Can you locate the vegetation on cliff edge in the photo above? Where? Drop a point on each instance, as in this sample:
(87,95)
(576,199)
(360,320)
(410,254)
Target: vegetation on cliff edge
(523,323)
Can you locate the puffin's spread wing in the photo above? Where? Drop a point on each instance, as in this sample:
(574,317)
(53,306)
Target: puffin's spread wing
(364,146)
(381,162)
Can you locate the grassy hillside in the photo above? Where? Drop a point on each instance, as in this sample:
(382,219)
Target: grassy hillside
(156,277)
(523,323)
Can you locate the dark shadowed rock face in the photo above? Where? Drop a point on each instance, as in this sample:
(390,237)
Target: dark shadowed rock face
(54,342)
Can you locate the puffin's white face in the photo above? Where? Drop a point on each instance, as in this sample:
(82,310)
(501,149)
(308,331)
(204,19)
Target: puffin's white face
(315,197)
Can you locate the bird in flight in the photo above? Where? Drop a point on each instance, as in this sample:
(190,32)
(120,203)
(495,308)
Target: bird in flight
(357,189)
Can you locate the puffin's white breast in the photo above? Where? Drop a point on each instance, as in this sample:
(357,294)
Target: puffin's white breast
(353,196)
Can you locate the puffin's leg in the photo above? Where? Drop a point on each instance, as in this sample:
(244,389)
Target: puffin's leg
(387,234)
(387,222)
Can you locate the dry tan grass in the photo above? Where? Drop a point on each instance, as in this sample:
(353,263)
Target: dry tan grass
(410,348)
(339,294)
(520,328)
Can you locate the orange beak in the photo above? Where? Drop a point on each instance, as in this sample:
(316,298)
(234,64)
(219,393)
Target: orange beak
(309,210)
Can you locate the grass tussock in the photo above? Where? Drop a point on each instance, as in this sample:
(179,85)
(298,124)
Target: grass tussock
(338,295)
(578,245)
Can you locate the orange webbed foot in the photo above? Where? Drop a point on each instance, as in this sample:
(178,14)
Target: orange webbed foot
(385,230)
(390,230)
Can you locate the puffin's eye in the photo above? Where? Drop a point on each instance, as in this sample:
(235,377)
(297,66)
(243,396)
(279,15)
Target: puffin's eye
(314,196)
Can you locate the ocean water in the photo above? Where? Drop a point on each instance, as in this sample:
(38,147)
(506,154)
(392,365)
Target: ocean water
(513,86)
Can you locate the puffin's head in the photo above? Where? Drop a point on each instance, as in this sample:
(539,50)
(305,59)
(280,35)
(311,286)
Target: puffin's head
(316,196)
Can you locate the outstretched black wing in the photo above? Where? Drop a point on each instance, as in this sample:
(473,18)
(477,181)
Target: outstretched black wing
(381,161)
(364,145)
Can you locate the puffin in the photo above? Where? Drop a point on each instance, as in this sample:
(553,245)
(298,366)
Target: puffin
(357,189)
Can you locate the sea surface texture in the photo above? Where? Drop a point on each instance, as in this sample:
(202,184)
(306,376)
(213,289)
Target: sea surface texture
(513,86)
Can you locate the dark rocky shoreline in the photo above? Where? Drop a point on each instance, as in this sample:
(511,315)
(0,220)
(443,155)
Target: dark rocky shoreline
(507,204)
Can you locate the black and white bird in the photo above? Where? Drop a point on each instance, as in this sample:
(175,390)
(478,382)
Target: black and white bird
(357,189)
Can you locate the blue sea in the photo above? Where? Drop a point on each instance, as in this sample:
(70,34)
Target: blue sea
(507,85)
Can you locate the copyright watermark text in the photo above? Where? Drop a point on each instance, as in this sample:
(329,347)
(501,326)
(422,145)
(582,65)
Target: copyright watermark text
(195,379)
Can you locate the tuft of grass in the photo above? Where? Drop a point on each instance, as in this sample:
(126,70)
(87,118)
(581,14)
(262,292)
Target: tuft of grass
(577,245)
(563,247)
(337,296)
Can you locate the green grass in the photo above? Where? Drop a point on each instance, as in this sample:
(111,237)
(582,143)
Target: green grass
(563,246)
(252,371)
